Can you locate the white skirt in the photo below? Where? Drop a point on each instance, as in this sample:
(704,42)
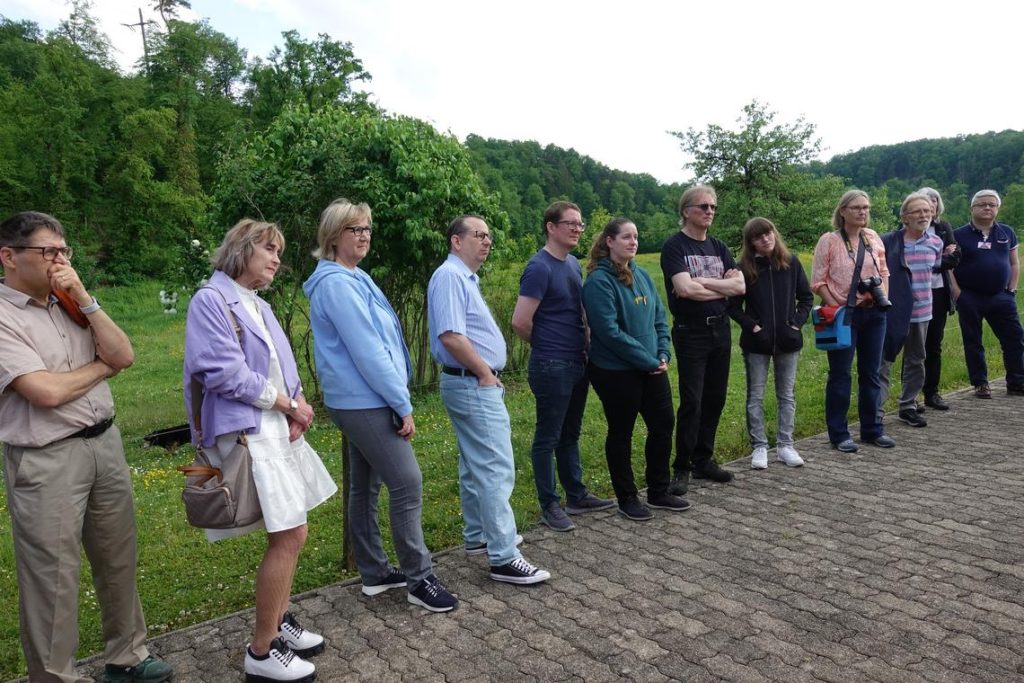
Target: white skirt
(290,477)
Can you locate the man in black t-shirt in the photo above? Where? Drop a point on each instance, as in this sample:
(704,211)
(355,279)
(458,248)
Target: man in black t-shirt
(700,275)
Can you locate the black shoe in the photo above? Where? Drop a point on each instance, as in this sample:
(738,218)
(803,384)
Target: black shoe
(632,508)
(680,484)
(883,441)
(432,596)
(1015,389)
(919,407)
(666,501)
(912,418)
(983,390)
(519,572)
(846,446)
(394,579)
(712,471)
(935,401)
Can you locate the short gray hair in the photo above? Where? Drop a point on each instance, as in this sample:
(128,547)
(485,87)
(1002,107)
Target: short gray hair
(986,193)
(339,214)
(932,193)
(914,197)
(234,252)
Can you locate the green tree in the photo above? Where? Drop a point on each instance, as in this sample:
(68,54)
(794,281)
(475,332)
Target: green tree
(415,180)
(755,172)
(316,74)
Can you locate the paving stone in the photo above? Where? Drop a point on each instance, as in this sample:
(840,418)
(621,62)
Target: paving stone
(898,566)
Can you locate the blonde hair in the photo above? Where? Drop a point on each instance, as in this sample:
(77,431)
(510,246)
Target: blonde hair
(689,194)
(339,214)
(235,250)
(838,222)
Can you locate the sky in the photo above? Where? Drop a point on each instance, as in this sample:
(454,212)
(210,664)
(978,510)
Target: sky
(610,80)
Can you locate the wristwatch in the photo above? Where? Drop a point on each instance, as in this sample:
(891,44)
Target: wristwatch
(293,405)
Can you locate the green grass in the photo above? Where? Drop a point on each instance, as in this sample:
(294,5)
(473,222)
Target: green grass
(184,580)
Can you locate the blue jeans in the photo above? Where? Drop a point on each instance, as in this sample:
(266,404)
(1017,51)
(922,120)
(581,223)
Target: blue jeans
(867,334)
(560,388)
(1000,310)
(378,454)
(487,472)
(785,382)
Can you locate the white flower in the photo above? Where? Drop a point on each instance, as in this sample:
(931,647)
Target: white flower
(195,243)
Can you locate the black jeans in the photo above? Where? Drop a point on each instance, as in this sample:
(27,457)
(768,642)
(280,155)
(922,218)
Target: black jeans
(933,342)
(702,354)
(624,395)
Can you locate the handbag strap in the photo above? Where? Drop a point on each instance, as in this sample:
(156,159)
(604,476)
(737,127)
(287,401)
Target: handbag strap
(197,389)
(851,296)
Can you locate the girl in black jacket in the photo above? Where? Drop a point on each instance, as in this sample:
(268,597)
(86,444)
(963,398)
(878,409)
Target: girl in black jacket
(771,313)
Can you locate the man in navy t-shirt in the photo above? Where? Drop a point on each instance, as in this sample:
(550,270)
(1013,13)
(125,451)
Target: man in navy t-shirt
(700,275)
(549,316)
(985,288)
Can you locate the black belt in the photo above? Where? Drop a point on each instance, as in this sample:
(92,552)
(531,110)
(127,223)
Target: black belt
(709,321)
(462,372)
(93,431)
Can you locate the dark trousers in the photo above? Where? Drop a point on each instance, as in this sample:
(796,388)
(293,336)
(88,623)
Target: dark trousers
(702,354)
(624,395)
(868,334)
(933,342)
(1000,311)
(560,388)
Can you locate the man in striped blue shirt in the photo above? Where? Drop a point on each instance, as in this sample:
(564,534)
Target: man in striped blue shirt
(912,254)
(466,341)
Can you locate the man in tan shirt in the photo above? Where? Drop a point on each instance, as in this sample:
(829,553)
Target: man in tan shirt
(67,480)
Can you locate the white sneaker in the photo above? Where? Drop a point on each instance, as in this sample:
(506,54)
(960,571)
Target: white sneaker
(280,664)
(787,455)
(759,458)
(302,642)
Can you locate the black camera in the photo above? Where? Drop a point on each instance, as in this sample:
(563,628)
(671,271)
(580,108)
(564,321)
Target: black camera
(873,286)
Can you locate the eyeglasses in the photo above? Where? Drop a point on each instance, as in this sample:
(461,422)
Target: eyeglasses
(859,209)
(50,253)
(985,205)
(480,235)
(703,207)
(763,236)
(918,212)
(574,225)
(360,230)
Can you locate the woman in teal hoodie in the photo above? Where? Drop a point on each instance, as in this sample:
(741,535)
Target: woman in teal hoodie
(364,369)
(628,361)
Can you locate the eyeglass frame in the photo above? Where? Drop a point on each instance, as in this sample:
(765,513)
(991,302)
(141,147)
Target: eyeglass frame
(579,225)
(705,207)
(359,230)
(66,252)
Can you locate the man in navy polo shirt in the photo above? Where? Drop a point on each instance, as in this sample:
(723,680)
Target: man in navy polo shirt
(549,316)
(985,288)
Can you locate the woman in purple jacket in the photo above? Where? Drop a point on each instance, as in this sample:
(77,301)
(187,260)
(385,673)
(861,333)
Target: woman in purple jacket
(250,383)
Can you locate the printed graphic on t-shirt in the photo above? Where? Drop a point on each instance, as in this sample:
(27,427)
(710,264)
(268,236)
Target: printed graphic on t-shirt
(705,266)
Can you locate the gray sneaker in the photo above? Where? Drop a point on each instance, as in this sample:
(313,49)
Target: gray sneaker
(588,503)
(554,516)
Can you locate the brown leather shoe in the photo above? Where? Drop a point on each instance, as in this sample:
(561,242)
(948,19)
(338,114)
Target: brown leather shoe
(983,391)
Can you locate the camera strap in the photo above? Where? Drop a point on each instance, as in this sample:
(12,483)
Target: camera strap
(851,297)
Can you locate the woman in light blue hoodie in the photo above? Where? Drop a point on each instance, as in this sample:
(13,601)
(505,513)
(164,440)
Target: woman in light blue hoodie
(364,369)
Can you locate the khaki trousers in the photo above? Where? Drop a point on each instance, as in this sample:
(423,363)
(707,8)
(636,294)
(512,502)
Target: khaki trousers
(72,493)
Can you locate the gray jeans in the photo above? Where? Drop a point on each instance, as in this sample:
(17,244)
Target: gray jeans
(378,454)
(913,369)
(785,381)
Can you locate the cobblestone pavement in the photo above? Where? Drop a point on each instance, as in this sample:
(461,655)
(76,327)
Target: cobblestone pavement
(895,565)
